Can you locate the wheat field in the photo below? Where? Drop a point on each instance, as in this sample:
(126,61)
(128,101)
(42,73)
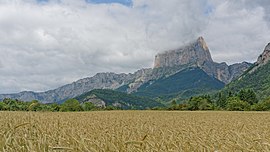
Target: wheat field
(134,131)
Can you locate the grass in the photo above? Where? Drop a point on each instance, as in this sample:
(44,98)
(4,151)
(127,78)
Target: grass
(137,131)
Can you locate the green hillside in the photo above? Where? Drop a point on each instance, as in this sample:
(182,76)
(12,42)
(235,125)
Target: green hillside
(259,81)
(127,101)
(186,83)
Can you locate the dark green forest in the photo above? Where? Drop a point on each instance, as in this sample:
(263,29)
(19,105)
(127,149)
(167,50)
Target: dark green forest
(185,84)
(127,101)
(244,100)
(259,81)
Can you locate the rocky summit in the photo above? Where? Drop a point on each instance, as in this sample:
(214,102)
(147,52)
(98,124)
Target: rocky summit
(197,54)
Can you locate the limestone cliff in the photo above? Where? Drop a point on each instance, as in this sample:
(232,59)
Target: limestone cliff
(265,56)
(195,53)
(263,59)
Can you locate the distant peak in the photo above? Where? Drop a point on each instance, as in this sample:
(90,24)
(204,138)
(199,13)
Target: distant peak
(200,38)
(203,44)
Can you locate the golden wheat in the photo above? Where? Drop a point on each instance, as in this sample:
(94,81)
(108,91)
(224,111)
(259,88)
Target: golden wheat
(124,131)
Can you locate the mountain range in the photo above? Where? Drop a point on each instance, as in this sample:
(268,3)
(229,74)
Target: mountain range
(186,71)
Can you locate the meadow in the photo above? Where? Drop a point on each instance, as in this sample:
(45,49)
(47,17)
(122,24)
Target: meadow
(134,131)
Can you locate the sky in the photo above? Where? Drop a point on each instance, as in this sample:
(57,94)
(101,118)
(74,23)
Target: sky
(45,44)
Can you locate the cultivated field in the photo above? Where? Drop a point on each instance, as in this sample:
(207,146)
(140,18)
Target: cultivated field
(126,131)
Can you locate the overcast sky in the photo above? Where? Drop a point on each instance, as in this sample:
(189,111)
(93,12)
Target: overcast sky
(48,43)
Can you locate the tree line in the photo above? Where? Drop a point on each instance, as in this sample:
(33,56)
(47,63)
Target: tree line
(244,100)
(69,105)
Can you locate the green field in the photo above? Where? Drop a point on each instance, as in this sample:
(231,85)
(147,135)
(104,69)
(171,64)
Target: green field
(134,131)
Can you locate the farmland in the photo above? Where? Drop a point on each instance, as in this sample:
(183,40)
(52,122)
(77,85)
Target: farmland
(134,131)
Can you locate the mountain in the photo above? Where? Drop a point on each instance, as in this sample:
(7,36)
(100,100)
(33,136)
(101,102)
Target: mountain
(185,83)
(196,54)
(193,55)
(256,78)
(104,98)
(99,81)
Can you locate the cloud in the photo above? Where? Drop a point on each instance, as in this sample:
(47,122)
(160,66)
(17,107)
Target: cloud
(124,2)
(236,33)
(47,44)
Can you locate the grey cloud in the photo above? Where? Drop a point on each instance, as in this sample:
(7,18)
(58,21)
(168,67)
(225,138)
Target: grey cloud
(237,32)
(1,65)
(44,46)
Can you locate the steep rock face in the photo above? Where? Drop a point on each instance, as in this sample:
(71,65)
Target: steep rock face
(194,53)
(223,72)
(197,54)
(140,77)
(236,70)
(219,71)
(263,59)
(265,56)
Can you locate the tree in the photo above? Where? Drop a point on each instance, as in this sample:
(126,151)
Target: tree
(204,104)
(230,94)
(221,102)
(236,104)
(111,108)
(262,106)
(71,105)
(200,103)
(34,106)
(54,107)
(173,105)
(193,103)
(248,95)
(88,106)
(12,105)
(3,106)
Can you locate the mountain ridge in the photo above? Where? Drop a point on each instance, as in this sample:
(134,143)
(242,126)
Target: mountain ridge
(256,78)
(196,54)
